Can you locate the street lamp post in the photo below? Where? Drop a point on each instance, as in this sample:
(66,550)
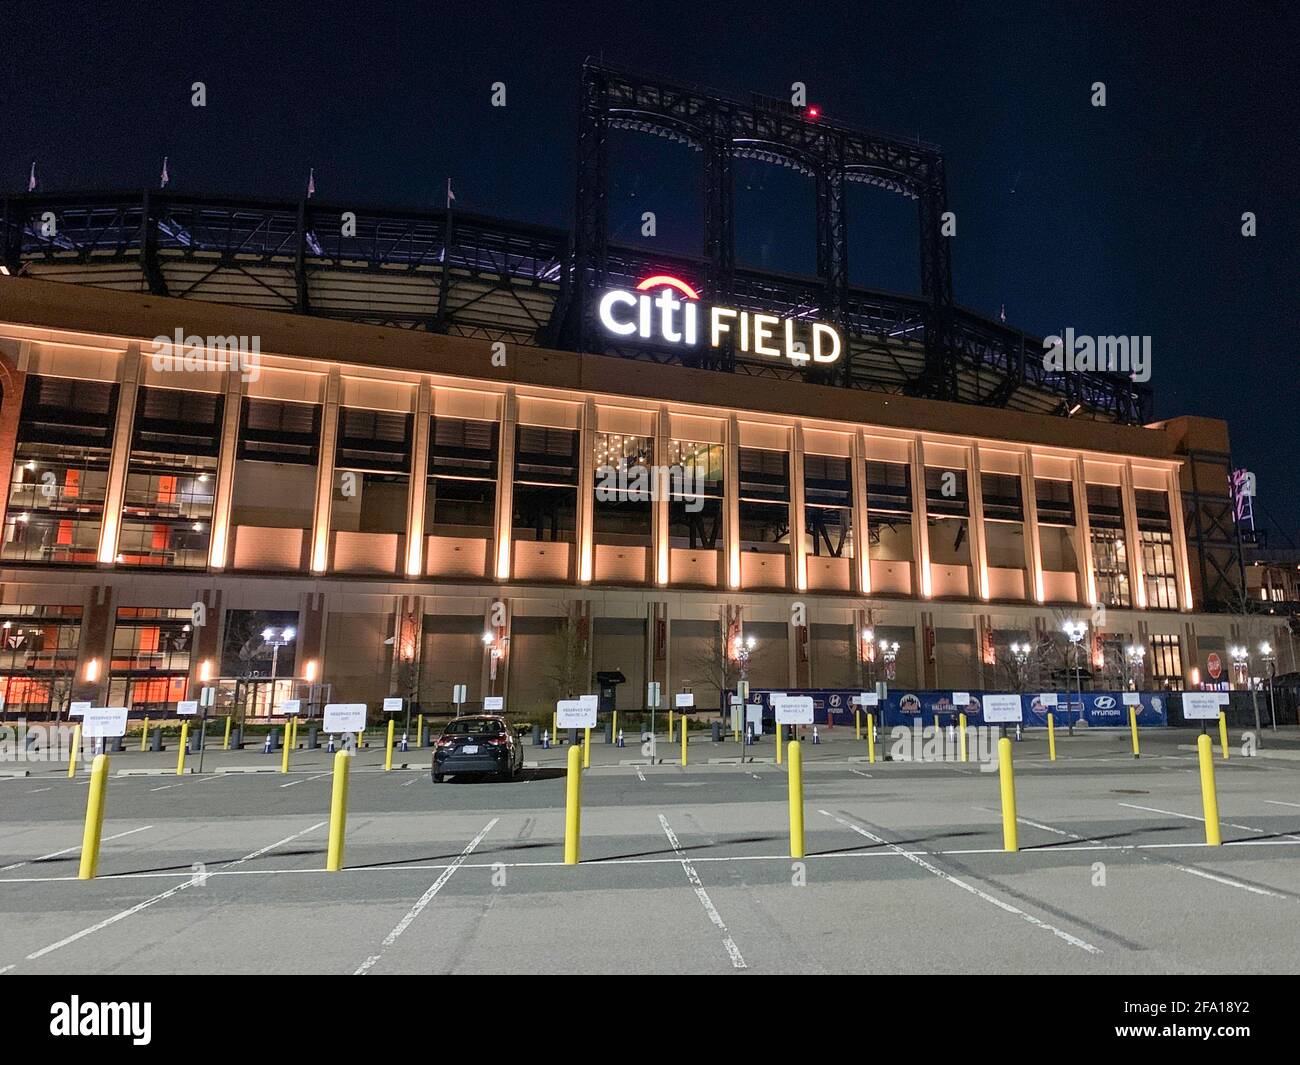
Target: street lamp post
(1020,655)
(889,651)
(275,639)
(1266,653)
(1241,662)
(1075,631)
(1135,655)
(740,651)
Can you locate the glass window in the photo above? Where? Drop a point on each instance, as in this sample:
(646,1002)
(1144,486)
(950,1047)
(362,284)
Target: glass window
(60,473)
(546,484)
(1166,661)
(38,658)
(889,511)
(764,499)
(275,472)
(150,666)
(695,495)
(828,506)
(372,465)
(1155,538)
(1109,549)
(462,491)
(624,489)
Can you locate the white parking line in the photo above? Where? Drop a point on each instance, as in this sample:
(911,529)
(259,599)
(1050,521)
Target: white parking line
(1074,941)
(69,850)
(424,901)
(860,773)
(1276,802)
(640,776)
(303,780)
(1193,817)
(729,944)
(1231,883)
(124,914)
(166,786)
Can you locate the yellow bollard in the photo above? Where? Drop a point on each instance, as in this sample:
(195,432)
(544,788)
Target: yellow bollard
(573,808)
(144,735)
(94,818)
(338,811)
(419,730)
(1223,734)
(613,728)
(1051,737)
(76,750)
(185,741)
(1209,797)
(226,745)
(1007,776)
(1133,727)
(670,725)
(360,737)
(857,724)
(796,800)
(961,724)
(683,731)
(780,741)
(871,738)
(388,749)
(293,733)
(288,741)
(586,748)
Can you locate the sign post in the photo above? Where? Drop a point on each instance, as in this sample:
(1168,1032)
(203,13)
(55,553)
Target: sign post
(458,692)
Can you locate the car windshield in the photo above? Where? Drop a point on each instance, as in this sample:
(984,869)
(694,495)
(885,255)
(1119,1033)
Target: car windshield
(475,726)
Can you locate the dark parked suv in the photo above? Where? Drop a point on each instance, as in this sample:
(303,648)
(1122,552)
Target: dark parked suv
(480,744)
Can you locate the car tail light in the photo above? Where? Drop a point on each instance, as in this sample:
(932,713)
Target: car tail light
(446,741)
(498,741)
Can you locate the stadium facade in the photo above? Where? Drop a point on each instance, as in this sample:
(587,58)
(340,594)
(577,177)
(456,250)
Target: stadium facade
(392,432)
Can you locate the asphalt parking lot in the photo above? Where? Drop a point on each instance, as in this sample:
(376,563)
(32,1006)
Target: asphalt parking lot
(684,869)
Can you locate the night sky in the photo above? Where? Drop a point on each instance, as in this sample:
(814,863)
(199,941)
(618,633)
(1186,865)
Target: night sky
(1117,220)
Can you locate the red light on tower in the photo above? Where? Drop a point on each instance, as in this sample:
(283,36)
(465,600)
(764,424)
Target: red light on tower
(814,112)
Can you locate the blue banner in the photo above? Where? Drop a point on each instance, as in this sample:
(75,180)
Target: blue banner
(834,707)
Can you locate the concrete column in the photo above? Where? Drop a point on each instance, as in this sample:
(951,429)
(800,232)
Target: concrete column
(1032,537)
(313,617)
(95,649)
(408,615)
(731,502)
(661,548)
(920,528)
(861,524)
(419,485)
(207,641)
(13,381)
(223,492)
(975,505)
(1132,537)
(586,490)
(1083,532)
(1178,531)
(128,381)
(329,432)
(798,542)
(506,483)
(926,667)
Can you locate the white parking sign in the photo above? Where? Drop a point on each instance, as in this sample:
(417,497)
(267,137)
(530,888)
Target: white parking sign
(345,717)
(793,710)
(104,722)
(1002,709)
(575,713)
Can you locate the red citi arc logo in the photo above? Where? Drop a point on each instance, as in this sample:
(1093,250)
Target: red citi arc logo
(673,314)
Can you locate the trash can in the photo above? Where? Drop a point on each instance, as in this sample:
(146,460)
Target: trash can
(537,734)
(313,738)
(717,732)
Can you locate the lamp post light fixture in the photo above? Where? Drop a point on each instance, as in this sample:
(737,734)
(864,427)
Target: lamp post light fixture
(275,639)
(1075,632)
(741,647)
(1269,659)
(1135,655)
(1241,663)
(1020,655)
(889,651)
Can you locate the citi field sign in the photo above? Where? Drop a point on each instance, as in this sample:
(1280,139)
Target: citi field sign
(665,309)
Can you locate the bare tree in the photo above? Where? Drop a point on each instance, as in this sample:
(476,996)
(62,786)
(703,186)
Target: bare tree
(566,672)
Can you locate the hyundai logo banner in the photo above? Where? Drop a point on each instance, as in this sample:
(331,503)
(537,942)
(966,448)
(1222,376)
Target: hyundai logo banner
(902,707)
